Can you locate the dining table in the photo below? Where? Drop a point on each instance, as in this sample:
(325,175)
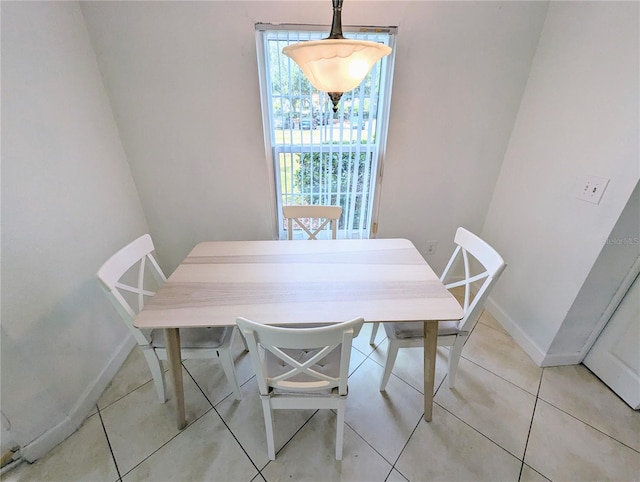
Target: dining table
(299,283)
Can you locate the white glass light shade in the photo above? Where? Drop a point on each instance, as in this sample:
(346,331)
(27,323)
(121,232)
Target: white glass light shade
(336,65)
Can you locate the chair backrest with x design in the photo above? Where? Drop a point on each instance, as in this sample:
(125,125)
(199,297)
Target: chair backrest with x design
(312,219)
(301,359)
(482,268)
(301,368)
(113,275)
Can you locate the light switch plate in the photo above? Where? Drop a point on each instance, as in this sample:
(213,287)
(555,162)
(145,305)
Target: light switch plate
(591,189)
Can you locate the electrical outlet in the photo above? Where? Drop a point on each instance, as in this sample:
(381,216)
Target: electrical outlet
(592,188)
(431,247)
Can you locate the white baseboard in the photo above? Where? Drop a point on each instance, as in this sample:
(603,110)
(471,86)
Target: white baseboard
(521,338)
(82,409)
(539,356)
(559,359)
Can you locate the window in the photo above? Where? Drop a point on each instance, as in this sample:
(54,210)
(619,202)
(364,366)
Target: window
(318,156)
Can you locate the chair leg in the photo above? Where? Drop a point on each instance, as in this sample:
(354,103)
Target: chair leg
(268,425)
(244,342)
(340,428)
(392,353)
(374,332)
(454,358)
(226,360)
(157,373)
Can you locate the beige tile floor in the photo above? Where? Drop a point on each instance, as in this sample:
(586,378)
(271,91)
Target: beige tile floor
(506,420)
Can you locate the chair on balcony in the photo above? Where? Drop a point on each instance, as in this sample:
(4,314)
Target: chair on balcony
(476,256)
(127,277)
(312,219)
(301,368)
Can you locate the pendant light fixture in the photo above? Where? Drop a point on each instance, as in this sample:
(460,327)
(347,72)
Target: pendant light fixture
(335,64)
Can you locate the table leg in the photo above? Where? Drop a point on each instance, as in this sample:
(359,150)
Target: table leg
(172,339)
(430,346)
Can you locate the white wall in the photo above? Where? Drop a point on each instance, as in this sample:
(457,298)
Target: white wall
(579,115)
(461,69)
(183,81)
(68,202)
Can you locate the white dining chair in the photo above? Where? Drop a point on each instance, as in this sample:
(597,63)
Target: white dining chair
(477,257)
(312,219)
(128,280)
(301,368)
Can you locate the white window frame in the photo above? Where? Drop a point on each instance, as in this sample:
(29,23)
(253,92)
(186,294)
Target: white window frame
(382,121)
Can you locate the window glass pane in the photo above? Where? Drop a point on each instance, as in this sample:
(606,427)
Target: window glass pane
(321,156)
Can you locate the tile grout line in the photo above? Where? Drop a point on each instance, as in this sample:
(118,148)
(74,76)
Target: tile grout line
(537,397)
(368,443)
(500,376)
(589,425)
(213,407)
(579,419)
(393,465)
(176,435)
(533,414)
(106,435)
(356,432)
(477,431)
(231,431)
(128,393)
(240,445)
(144,459)
(290,438)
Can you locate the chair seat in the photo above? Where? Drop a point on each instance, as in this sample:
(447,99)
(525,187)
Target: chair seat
(410,329)
(208,337)
(283,392)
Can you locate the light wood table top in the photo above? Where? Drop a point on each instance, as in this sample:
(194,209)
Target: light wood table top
(297,282)
(300,282)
